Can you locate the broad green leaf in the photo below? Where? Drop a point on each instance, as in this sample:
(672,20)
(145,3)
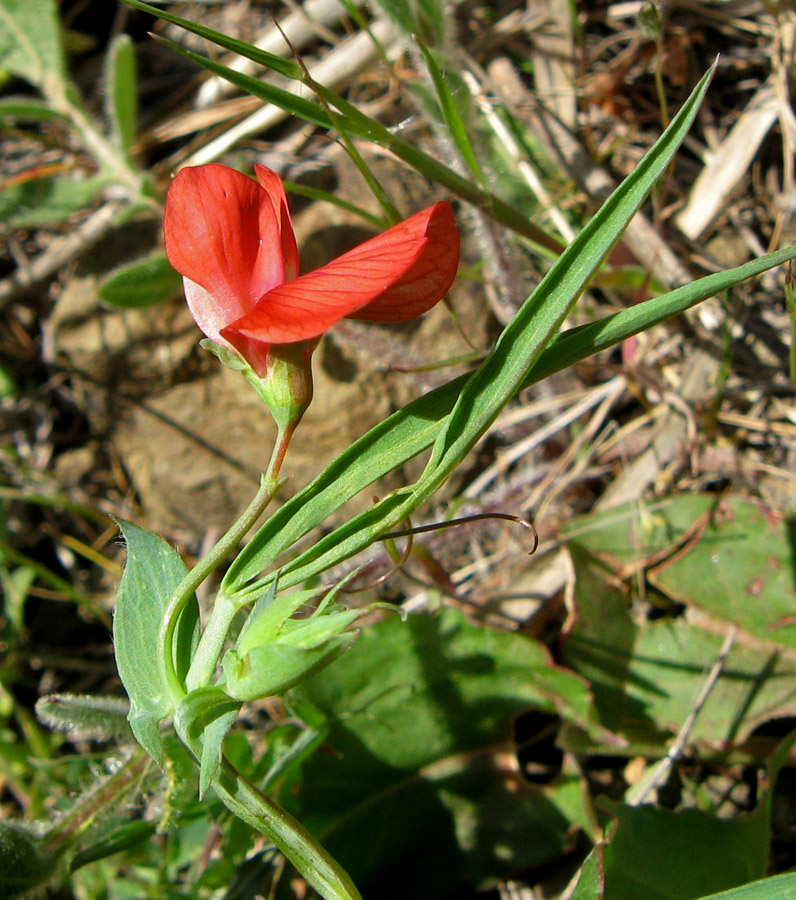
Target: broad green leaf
(415,427)
(420,780)
(645,679)
(41,201)
(694,852)
(142,283)
(30,42)
(121,93)
(738,567)
(509,365)
(628,538)
(151,574)
(779,887)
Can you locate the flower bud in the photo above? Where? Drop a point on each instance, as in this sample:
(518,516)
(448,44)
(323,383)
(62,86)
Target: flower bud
(286,386)
(274,651)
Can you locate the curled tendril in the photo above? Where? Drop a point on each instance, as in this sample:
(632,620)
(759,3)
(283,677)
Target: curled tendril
(463,520)
(397,565)
(411,531)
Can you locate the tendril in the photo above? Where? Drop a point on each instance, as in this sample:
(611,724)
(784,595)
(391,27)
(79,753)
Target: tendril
(463,520)
(397,565)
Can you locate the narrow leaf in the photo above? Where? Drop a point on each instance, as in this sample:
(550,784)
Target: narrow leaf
(121,92)
(450,111)
(508,366)
(279,64)
(415,427)
(357,123)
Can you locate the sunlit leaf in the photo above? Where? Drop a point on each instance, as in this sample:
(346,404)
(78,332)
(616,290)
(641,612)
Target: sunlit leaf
(420,768)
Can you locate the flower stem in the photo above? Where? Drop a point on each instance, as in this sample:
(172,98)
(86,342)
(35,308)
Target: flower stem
(207,652)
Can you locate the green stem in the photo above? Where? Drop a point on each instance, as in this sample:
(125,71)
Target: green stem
(64,99)
(313,862)
(108,794)
(210,644)
(205,659)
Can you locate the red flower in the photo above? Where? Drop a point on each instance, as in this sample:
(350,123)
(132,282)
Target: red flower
(232,240)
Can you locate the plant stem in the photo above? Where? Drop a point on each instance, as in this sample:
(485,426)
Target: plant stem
(210,644)
(107,794)
(321,870)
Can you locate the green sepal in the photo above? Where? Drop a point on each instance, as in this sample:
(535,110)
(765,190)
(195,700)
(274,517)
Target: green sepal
(226,356)
(268,615)
(274,651)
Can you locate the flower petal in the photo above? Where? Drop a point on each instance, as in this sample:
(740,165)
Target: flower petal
(222,233)
(391,278)
(208,317)
(272,183)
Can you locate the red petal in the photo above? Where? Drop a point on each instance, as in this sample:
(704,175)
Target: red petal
(391,278)
(276,190)
(208,317)
(222,233)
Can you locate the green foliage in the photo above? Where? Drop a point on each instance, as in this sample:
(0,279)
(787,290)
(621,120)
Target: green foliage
(30,42)
(418,772)
(451,105)
(140,284)
(101,718)
(400,757)
(152,572)
(695,544)
(425,18)
(503,373)
(780,887)
(42,201)
(122,93)
(694,852)
(23,868)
